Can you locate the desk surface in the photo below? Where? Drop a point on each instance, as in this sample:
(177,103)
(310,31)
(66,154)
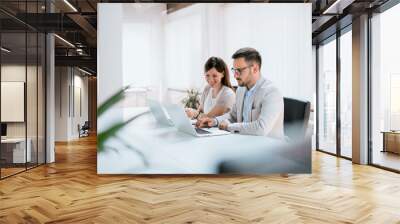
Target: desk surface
(13,140)
(390,132)
(169,151)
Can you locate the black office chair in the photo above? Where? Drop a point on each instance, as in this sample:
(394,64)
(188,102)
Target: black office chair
(292,158)
(84,130)
(284,159)
(296,116)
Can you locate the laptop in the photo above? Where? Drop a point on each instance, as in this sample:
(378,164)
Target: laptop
(183,123)
(159,113)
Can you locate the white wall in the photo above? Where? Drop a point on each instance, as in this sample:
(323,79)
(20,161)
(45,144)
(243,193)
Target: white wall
(81,104)
(12,73)
(12,101)
(61,103)
(83,83)
(67,114)
(33,125)
(109,50)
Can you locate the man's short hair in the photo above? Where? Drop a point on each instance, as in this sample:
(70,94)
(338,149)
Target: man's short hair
(249,54)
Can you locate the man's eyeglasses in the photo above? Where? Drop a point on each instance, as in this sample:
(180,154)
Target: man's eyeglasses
(239,70)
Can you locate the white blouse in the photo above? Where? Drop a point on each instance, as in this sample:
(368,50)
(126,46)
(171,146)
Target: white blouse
(224,98)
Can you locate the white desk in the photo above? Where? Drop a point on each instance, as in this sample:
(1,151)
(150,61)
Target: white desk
(171,152)
(18,149)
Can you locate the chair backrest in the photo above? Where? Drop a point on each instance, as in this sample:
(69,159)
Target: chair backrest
(86,125)
(296,116)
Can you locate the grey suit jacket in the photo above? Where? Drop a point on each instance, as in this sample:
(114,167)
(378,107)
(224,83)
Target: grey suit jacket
(266,117)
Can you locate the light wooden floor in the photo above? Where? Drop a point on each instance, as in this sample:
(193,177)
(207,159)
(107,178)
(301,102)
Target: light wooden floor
(5,172)
(70,191)
(10,171)
(387,159)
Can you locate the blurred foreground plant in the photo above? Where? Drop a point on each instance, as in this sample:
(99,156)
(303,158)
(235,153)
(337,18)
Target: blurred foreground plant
(111,132)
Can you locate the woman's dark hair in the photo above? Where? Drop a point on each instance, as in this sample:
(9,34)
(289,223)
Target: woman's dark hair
(220,66)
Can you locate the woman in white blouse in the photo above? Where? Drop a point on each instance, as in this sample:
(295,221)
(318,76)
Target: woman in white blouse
(218,96)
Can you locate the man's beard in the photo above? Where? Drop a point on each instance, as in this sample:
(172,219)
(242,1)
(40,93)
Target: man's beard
(240,82)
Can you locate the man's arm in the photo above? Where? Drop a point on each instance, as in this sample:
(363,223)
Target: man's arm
(214,122)
(231,116)
(271,110)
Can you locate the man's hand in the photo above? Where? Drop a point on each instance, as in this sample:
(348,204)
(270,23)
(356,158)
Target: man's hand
(223,125)
(201,116)
(205,122)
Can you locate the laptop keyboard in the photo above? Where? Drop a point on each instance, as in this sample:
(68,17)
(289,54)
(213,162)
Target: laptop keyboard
(201,131)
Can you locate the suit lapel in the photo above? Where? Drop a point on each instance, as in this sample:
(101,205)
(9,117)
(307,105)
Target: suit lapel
(255,93)
(242,95)
(240,108)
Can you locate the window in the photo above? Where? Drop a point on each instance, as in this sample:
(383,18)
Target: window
(394,101)
(346,94)
(327,97)
(385,89)
(22,65)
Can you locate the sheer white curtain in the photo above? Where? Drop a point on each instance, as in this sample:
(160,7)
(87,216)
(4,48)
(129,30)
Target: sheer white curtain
(282,35)
(143,51)
(184,48)
(168,51)
(280,32)
(184,51)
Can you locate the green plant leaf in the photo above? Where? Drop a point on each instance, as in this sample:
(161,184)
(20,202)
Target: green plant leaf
(111,101)
(112,131)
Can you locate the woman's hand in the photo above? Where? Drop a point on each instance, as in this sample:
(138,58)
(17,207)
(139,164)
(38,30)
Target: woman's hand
(191,112)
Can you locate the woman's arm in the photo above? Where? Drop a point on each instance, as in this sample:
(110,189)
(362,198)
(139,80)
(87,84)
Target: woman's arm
(194,114)
(216,111)
(224,104)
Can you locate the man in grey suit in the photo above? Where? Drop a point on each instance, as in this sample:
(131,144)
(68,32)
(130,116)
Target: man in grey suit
(258,109)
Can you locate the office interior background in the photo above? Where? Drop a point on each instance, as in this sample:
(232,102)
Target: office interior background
(38,107)
(49,86)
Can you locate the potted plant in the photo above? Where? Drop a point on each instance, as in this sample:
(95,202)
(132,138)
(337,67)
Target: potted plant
(192,100)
